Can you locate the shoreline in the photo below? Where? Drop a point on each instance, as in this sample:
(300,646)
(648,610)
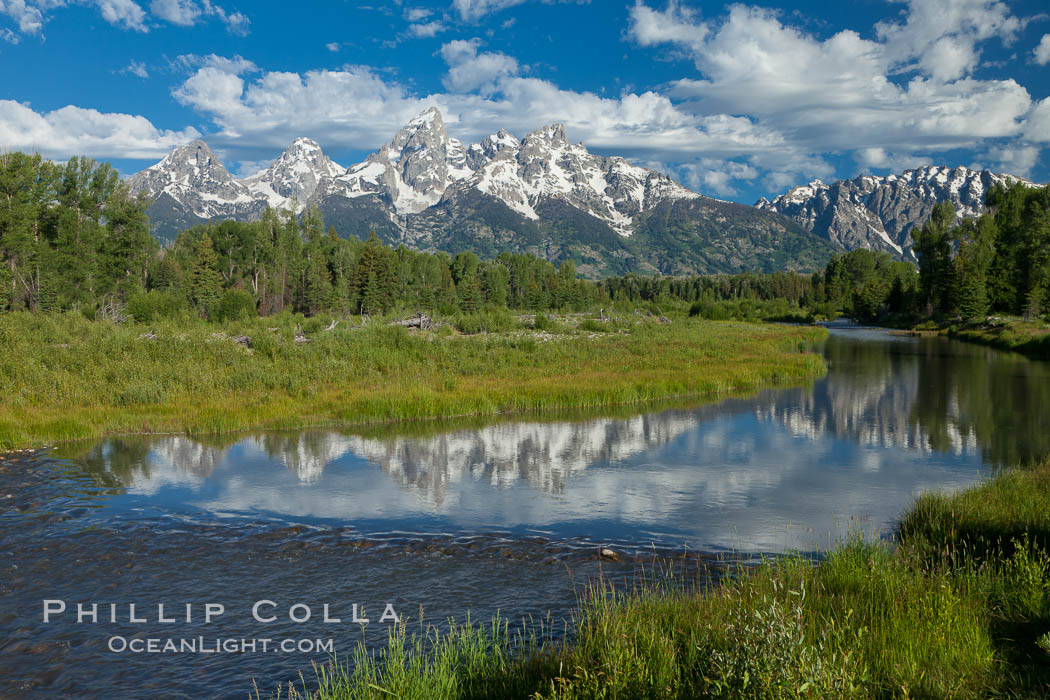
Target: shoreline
(194,384)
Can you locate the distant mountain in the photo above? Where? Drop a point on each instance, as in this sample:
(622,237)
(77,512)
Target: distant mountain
(879,212)
(542,195)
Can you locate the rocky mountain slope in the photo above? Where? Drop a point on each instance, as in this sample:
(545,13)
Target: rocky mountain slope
(879,212)
(542,195)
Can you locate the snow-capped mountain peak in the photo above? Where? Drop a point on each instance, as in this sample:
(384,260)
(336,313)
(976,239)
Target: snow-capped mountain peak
(292,179)
(879,212)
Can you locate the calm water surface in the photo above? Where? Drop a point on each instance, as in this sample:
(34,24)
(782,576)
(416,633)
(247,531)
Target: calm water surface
(506,517)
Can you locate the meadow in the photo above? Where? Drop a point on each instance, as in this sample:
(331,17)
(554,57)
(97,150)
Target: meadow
(66,377)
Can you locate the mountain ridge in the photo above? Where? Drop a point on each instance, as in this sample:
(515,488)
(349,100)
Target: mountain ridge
(879,212)
(541,194)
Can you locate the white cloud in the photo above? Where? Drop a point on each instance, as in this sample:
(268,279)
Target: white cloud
(713,175)
(473,10)
(127,14)
(1014,159)
(426,30)
(1037,127)
(9,36)
(358,109)
(71,131)
(962,23)
(29,18)
(676,24)
(844,93)
(469,71)
(236,22)
(415,14)
(136,68)
(333,46)
(1042,51)
(181,12)
(880,159)
(123,13)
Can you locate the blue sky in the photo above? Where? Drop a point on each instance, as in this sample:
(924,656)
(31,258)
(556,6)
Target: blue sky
(735,100)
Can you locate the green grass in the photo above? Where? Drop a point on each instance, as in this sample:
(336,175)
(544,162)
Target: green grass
(957,607)
(1030,338)
(68,378)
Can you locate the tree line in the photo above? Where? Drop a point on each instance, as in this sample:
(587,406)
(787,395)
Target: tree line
(73,235)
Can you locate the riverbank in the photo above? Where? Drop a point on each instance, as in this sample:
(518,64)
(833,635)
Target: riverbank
(68,378)
(1029,338)
(959,607)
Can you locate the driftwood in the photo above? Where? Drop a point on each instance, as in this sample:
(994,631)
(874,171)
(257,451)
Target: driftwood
(300,337)
(243,340)
(420,321)
(111,309)
(148,336)
(332,325)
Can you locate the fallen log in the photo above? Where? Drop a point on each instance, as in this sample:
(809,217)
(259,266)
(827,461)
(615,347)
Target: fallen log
(420,321)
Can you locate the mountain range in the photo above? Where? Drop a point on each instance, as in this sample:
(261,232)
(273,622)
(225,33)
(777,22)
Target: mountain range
(547,196)
(541,195)
(879,213)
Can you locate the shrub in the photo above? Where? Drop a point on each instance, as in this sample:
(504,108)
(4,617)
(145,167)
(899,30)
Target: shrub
(235,305)
(496,321)
(146,307)
(591,326)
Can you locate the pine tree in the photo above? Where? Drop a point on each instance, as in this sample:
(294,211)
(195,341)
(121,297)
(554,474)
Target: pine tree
(206,289)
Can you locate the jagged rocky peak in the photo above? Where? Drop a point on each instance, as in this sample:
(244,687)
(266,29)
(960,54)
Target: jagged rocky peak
(295,175)
(879,212)
(501,144)
(192,165)
(413,170)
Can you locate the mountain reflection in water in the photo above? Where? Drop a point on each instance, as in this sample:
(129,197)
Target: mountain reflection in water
(785,469)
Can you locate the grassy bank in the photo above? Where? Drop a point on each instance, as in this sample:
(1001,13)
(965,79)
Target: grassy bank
(959,607)
(65,377)
(1030,338)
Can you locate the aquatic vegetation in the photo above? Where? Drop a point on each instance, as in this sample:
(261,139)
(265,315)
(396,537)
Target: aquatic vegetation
(66,377)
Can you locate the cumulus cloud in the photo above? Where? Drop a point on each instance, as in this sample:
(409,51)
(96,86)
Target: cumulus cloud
(470,71)
(123,13)
(181,12)
(333,46)
(1015,159)
(1042,51)
(426,30)
(714,175)
(883,99)
(75,131)
(359,109)
(29,19)
(1037,127)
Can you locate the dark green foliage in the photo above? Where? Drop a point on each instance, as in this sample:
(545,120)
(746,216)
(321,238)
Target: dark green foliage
(1000,262)
(69,234)
(146,307)
(206,282)
(235,305)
